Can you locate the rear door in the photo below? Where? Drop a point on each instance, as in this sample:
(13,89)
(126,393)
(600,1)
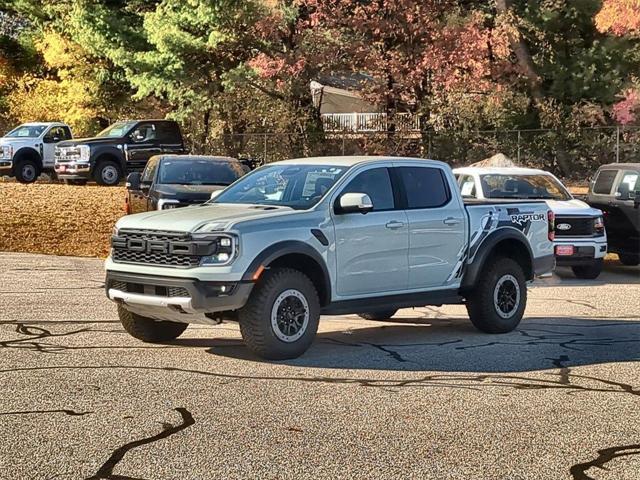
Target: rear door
(437,224)
(372,248)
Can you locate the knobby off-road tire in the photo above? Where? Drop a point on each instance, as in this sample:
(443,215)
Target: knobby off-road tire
(497,303)
(379,314)
(147,329)
(589,272)
(107,173)
(27,171)
(280,319)
(629,260)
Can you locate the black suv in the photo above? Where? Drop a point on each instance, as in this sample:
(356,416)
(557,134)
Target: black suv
(172,181)
(615,190)
(119,149)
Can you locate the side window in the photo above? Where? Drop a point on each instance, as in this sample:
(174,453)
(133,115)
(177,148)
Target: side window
(167,132)
(377,184)
(150,170)
(425,187)
(67,133)
(55,133)
(628,184)
(467,186)
(604,182)
(143,133)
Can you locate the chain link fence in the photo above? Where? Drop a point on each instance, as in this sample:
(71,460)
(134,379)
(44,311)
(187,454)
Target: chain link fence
(571,153)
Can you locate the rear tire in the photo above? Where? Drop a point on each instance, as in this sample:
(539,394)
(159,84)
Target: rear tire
(379,314)
(280,319)
(497,303)
(27,171)
(589,272)
(629,259)
(147,329)
(107,173)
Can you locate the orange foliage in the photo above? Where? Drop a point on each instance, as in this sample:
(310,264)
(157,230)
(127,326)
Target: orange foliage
(620,17)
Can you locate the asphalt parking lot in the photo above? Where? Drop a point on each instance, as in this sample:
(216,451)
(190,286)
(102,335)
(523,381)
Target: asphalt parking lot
(423,396)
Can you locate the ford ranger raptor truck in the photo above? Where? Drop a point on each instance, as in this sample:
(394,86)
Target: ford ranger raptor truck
(337,235)
(28,150)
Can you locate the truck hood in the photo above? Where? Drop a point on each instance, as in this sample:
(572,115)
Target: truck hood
(89,141)
(572,207)
(190,219)
(192,193)
(17,141)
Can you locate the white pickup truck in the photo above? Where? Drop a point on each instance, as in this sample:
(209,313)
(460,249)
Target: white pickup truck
(580,239)
(28,150)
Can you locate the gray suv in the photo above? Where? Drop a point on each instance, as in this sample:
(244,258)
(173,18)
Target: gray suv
(339,235)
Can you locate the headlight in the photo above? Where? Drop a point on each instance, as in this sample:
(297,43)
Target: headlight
(225,252)
(85,153)
(598,224)
(166,204)
(7,152)
(115,231)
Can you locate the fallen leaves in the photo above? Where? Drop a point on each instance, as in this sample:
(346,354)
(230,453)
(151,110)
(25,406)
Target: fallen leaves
(58,219)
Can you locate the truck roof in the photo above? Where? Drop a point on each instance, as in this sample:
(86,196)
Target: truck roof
(349,161)
(499,170)
(46,124)
(621,165)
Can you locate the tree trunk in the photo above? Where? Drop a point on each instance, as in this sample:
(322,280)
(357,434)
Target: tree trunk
(534,82)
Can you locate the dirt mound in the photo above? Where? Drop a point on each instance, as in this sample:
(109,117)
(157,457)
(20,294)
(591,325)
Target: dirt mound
(58,219)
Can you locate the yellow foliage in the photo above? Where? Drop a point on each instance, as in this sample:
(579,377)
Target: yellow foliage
(67,94)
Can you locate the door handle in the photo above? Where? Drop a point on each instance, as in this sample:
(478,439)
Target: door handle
(394,225)
(451,221)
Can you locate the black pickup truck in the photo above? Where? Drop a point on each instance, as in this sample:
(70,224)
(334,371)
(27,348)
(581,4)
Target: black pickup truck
(119,149)
(173,181)
(615,189)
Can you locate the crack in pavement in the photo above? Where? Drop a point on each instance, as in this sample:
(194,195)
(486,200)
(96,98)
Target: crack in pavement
(579,470)
(71,413)
(105,472)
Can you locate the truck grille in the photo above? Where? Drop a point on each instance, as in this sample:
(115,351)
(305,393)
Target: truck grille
(153,247)
(578,226)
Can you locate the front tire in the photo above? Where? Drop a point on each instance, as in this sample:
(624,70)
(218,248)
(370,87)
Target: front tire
(27,171)
(379,314)
(107,173)
(147,329)
(589,272)
(280,319)
(629,259)
(497,303)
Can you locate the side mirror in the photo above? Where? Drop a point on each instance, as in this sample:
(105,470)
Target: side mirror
(355,202)
(133,181)
(214,194)
(47,139)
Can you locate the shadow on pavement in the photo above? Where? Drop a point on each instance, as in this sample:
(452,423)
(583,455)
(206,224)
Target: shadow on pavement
(453,345)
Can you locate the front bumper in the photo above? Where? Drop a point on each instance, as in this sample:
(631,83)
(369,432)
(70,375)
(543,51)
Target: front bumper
(584,251)
(175,299)
(73,170)
(5,166)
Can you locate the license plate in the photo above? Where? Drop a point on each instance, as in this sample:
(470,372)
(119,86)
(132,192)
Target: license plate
(564,250)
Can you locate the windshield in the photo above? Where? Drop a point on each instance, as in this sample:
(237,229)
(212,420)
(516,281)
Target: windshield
(26,131)
(523,186)
(198,172)
(296,186)
(118,129)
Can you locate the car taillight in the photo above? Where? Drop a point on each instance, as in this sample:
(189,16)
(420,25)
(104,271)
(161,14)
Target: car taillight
(551,219)
(126,208)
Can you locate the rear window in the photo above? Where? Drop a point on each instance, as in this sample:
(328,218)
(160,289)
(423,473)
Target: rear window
(628,184)
(604,182)
(198,172)
(168,132)
(425,187)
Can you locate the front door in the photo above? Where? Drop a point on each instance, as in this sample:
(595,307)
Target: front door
(143,145)
(437,225)
(371,249)
(55,135)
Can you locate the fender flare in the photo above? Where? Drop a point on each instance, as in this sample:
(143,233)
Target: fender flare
(486,248)
(288,247)
(28,150)
(113,153)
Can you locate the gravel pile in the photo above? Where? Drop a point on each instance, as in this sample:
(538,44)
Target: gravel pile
(58,219)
